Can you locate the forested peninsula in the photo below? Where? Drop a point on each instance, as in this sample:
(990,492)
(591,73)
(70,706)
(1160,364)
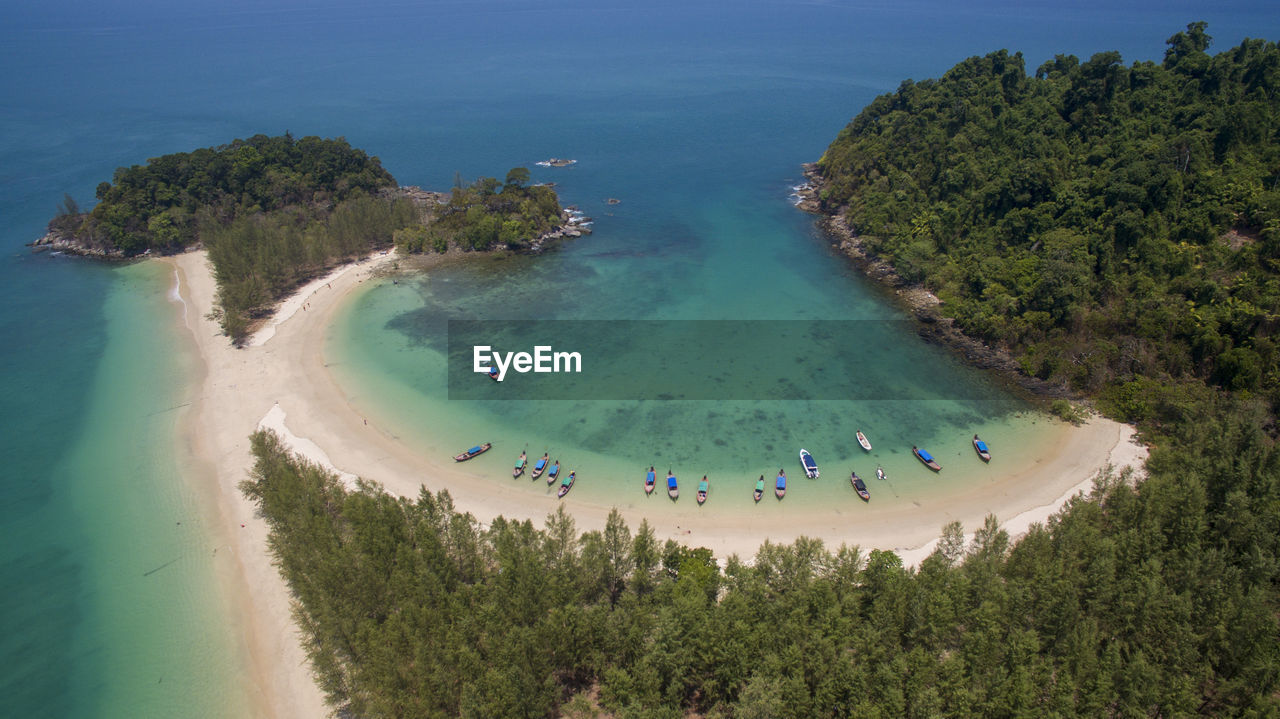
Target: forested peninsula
(274,212)
(1113,226)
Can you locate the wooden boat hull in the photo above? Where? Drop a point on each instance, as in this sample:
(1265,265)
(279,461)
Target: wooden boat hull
(780,487)
(673,490)
(564,488)
(519,470)
(650,481)
(472,455)
(537,471)
(977,447)
(930,463)
(859,487)
(553,474)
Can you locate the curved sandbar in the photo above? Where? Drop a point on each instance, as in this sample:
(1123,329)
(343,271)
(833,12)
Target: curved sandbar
(280,380)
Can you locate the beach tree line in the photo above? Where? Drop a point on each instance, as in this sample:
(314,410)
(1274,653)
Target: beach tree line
(275,212)
(1149,601)
(1116,226)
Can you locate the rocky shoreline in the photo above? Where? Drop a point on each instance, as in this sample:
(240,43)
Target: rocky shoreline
(573,224)
(923,304)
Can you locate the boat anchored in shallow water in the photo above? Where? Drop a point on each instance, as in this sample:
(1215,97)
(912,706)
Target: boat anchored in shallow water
(859,486)
(650,479)
(521,463)
(540,466)
(703,487)
(673,488)
(566,484)
(759,489)
(981,448)
(927,458)
(809,463)
(473,452)
(780,487)
(862,440)
(553,474)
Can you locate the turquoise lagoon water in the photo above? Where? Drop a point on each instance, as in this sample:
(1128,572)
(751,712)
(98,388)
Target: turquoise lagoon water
(696,115)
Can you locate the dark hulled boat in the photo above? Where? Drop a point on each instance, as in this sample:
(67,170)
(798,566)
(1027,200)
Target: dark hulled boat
(859,486)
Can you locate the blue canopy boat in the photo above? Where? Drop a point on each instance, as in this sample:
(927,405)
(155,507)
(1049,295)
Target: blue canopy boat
(540,466)
(981,448)
(553,473)
(780,489)
(650,479)
(473,452)
(927,458)
(673,491)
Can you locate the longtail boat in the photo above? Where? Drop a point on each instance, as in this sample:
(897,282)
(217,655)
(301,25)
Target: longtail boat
(650,479)
(925,457)
(859,486)
(780,488)
(553,474)
(703,486)
(981,448)
(566,484)
(759,488)
(520,465)
(473,452)
(540,466)
(673,489)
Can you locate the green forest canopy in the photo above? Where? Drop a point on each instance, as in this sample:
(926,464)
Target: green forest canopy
(1077,216)
(275,212)
(1114,225)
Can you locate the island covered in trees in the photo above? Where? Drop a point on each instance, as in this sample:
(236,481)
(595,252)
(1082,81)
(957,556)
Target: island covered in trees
(274,212)
(1114,227)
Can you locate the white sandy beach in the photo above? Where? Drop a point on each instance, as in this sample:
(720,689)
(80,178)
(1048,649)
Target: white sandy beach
(280,381)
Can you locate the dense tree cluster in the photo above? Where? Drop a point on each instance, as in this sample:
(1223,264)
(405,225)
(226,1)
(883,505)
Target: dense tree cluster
(1114,225)
(487,214)
(1158,601)
(275,212)
(159,206)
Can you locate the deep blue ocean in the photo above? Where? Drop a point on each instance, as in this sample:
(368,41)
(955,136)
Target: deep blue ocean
(105,558)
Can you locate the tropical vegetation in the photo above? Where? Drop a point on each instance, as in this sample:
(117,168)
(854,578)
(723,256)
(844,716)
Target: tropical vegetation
(274,212)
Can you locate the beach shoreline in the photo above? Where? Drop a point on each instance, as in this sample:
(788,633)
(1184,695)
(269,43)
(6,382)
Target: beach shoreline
(280,381)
